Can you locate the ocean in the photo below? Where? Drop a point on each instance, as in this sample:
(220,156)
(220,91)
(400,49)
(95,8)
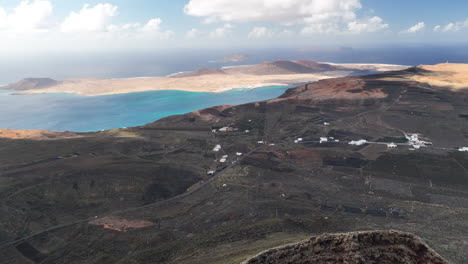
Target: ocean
(66,112)
(69,112)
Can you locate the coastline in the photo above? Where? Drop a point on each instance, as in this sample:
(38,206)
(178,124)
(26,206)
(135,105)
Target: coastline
(212,83)
(207,83)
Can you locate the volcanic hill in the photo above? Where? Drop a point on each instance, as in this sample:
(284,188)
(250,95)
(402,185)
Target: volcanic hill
(219,185)
(383,247)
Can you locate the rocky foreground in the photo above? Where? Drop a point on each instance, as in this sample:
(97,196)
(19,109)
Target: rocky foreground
(382,247)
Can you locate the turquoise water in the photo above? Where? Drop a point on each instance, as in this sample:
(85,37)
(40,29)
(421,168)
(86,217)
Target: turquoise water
(68,112)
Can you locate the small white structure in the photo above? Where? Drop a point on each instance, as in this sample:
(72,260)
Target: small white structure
(392,146)
(416,146)
(239,154)
(217,148)
(358,142)
(463,149)
(247,131)
(323,140)
(261,142)
(214,130)
(211,173)
(223,160)
(224,185)
(300,139)
(337,140)
(272,144)
(228,129)
(326,124)
(250,121)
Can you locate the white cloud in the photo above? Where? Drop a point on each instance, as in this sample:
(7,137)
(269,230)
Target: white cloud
(27,17)
(99,18)
(285,11)
(452,27)
(124,27)
(152,26)
(261,32)
(221,32)
(90,19)
(373,24)
(317,16)
(193,33)
(324,28)
(416,28)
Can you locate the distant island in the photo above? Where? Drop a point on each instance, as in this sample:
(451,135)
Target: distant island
(276,73)
(236,57)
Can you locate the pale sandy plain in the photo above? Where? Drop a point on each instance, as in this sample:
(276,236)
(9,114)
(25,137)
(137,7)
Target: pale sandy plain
(203,83)
(450,75)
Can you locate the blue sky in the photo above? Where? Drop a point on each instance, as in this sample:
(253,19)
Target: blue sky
(62,25)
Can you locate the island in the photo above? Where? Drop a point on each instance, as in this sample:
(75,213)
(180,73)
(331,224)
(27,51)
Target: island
(276,73)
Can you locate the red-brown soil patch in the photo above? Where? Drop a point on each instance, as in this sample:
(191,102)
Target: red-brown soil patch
(120,224)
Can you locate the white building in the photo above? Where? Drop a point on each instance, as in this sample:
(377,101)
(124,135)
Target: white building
(323,140)
(217,148)
(463,149)
(392,146)
(358,142)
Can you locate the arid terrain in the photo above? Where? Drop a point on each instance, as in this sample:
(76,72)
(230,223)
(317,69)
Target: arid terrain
(223,184)
(201,80)
(383,247)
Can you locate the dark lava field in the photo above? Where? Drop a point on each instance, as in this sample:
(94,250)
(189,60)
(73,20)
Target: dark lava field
(160,193)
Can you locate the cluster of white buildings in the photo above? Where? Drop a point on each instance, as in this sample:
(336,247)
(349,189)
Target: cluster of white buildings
(463,149)
(415,142)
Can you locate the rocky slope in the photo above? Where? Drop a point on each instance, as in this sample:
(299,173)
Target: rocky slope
(221,184)
(383,247)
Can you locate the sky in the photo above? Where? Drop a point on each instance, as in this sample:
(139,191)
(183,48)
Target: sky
(41,26)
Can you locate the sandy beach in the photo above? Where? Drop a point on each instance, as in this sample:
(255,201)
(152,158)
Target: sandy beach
(202,83)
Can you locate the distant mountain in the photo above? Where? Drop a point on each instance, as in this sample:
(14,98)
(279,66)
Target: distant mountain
(199,72)
(31,83)
(282,67)
(237,57)
(266,68)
